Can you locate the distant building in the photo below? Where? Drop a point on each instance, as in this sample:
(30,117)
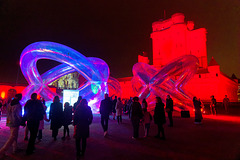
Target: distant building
(173,38)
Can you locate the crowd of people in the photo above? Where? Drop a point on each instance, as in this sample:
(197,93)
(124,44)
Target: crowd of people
(35,115)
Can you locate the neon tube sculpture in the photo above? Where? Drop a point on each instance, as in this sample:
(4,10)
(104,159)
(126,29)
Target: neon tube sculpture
(94,70)
(148,82)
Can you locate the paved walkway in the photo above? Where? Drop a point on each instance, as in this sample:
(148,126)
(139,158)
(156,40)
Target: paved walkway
(216,139)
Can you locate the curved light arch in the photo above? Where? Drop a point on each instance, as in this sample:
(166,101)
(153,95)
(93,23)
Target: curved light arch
(94,70)
(148,82)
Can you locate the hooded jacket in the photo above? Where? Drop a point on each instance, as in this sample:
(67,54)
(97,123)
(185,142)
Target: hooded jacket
(14,114)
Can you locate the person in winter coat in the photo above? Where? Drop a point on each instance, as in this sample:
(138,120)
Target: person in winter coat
(119,110)
(105,110)
(33,114)
(114,102)
(67,115)
(159,117)
(81,121)
(169,109)
(14,119)
(198,113)
(213,105)
(56,116)
(147,118)
(226,103)
(136,115)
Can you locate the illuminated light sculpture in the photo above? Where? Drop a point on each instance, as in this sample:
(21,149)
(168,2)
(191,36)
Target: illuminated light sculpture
(148,82)
(94,70)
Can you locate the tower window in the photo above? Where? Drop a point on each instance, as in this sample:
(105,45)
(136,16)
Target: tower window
(216,74)
(199,75)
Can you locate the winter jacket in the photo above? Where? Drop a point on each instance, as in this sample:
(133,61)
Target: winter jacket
(119,108)
(106,107)
(56,115)
(136,111)
(159,114)
(197,106)
(169,104)
(33,110)
(14,114)
(82,119)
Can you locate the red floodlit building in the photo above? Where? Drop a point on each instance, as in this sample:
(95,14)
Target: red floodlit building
(173,38)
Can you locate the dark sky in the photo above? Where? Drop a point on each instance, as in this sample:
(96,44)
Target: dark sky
(113,30)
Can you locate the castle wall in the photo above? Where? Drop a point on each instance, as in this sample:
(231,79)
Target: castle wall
(173,38)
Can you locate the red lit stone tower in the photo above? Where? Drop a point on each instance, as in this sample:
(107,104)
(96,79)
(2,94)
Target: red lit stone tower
(173,38)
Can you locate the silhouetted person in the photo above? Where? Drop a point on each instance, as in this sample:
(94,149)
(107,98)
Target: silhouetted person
(114,107)
(119,110)
(226,103)
(213,105)
(159,117)
(144,104)
(105,110)
(14,119)
(82,119)
(33,114)
(169,109)
(198,112)
(136,115)
(129,104)
(56,116)
(67,119)
(77,103)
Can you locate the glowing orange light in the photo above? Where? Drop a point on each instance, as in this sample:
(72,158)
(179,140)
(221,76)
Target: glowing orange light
(3,94)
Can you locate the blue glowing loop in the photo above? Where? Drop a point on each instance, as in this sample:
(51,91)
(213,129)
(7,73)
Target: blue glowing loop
(148,82)
(94,70)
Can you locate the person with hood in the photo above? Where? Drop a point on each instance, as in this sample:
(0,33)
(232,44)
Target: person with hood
(82,119)
(14,119)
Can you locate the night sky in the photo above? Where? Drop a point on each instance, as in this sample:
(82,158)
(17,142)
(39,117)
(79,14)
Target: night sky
(113,30)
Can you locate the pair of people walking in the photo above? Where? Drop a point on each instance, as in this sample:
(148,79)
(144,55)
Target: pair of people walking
(137,115)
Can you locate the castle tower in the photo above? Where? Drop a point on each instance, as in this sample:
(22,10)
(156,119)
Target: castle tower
(173,38)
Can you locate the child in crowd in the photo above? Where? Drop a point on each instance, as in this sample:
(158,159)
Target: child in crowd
(41,123)
(67,120)
(147,118)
